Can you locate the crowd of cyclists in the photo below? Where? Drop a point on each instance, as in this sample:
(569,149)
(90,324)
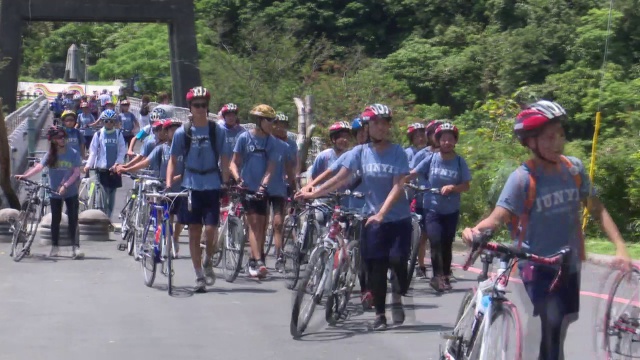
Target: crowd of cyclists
(207,157)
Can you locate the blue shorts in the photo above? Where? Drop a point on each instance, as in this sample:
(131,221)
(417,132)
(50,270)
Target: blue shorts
(205,208)
(387,240)
(537,281)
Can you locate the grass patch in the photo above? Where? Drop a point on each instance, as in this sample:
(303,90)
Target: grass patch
(605,247)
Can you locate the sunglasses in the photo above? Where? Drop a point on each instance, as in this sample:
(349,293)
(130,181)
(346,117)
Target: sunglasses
(269,120)
(108,121)
(199,105)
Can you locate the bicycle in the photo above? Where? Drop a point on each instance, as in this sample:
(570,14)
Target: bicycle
(236,234)
(134,214)
(26,226)
(416,233)
(319,270)
(91,194)
(161,249)
(296,244)
(622,320)
(481,309)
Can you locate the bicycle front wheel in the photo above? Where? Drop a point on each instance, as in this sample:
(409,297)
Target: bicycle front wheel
(19,238)
(504,338)
(622,317)
(233,249)
(415,247)
(148,259)
(310,285)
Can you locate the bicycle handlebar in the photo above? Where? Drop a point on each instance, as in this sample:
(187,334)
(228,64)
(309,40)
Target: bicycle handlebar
(423,189)
(481,242)
(39,185)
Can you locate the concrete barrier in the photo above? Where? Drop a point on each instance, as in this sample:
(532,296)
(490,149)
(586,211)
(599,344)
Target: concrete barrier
(6,216)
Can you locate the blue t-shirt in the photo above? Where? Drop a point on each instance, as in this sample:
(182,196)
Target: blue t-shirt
(60,173)
(422,180)
(231,136)
(200,170)
(322,162)
(85,120)
(256,152)
(110,139)
(342,161)
(411,151)
(555,219)
(148,145)
(292,151)
(75,139)
(378,172)
(127,120)
(159,160)
(439,173)
(277,183)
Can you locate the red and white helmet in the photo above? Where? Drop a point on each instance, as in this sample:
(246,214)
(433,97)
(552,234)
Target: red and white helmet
(433,125)
(198,92)
(414,127)
(339,126)
(446,127)
(374,110)
(229,108)
(531,120)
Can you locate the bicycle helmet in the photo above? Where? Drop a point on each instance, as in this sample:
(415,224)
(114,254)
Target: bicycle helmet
(338,127)
(432,126)
(282,118)
(264,111)
(77,97)
(531,120)
(157,125)
(198,92)
(446,127)
(414,127)
(357,124)
(125,102)
(374,110)
(161,112)
(108,115)
(108,102)
(228,108)
(84,105)
(68,113)
(167,123)
(55,131)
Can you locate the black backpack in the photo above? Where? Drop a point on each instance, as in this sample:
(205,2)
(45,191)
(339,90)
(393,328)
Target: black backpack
(212,141)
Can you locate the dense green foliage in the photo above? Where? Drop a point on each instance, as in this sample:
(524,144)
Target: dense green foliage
(472,61)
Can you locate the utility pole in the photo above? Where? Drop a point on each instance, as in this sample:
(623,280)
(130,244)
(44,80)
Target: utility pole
(86,67)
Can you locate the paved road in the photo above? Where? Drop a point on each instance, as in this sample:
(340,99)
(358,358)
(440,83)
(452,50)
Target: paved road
(99,308)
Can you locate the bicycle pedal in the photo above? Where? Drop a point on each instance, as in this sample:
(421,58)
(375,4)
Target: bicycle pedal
(122,247)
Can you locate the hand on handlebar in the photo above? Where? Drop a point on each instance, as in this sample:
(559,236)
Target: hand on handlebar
(468,234)
(447,189)
(622,260)
(19,177)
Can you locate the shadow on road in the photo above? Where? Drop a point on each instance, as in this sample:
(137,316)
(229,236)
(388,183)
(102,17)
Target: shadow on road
(218,290)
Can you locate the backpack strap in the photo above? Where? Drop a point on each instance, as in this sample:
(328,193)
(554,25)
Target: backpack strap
(577,178)
(187,140)
(213,141)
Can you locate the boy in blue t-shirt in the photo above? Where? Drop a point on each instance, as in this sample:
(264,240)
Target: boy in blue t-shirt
(553,220)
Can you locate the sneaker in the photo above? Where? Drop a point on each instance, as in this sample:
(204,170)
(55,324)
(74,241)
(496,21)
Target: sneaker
(201,286)
(55,250)
(367,300)
(380,323)
(262,269)
(209,274)
(421,272)
(76,254)
(253,269)
(437,284)
(176,249)
(446,282)
(453,279)
(397,313)
(280,264)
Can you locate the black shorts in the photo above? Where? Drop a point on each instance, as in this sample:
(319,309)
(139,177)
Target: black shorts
(386,240)
(256,207)
(538,279)
(176,205)
(277,203)
(205,208)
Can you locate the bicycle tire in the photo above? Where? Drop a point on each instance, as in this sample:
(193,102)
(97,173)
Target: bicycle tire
(233,249)
(169,261)
(416,237)
(268,243)
(353,249)
(609,332)
(18,239)
(314,270)
(463,345)
(147,259)
(32,227)
(291,257)
(509,350)
(130,238)
(332,307)
(216,258)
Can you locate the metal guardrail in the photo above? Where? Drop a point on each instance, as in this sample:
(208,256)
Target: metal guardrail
(13,120)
